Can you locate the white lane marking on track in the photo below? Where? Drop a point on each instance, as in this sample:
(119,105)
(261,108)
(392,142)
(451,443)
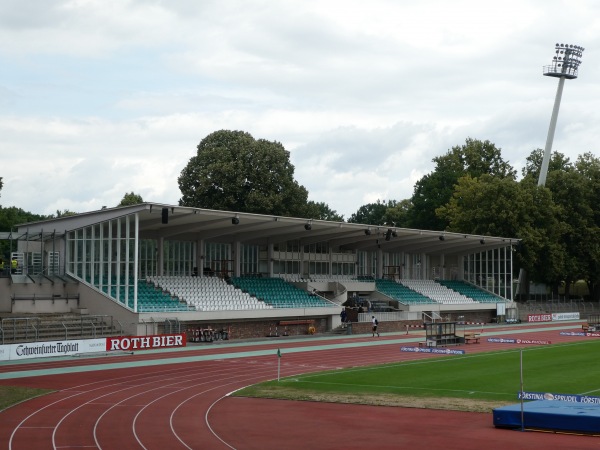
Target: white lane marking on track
(171,416)
(253,362)
(77,393)
(186,378)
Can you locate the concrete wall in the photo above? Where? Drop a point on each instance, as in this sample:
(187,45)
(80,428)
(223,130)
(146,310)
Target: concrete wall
(39,297)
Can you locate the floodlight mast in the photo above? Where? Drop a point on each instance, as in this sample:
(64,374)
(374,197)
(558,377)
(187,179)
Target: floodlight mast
(565,65)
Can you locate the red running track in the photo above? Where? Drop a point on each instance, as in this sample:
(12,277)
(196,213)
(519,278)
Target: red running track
(184,405)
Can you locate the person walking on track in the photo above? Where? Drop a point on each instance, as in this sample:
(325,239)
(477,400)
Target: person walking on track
(375,322)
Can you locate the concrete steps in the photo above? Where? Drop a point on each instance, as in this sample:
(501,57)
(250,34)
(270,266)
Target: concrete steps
(55,327)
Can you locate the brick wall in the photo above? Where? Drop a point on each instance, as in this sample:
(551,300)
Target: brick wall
(262,328)
(269,327)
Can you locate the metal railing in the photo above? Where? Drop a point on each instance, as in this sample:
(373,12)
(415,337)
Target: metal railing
(44,328)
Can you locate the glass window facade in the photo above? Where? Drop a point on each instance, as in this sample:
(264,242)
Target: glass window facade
(491,270)
(103,255)
(179,257)
(249,264)
(218,259)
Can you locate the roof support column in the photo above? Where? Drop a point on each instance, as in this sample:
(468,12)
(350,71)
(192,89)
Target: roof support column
(270,258)
(236,251)
(199,262)
(301,262)
(161,256)
(136,268)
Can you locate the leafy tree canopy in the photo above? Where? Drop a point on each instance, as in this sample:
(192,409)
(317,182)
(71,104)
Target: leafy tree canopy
(398,214)
(575,190)
(475,158)
(130,198)
(321,211)
(495,206)
(373,213)
(558,223)
(9,219)
(533,163)
(233,171)
(12,216)
(63,213)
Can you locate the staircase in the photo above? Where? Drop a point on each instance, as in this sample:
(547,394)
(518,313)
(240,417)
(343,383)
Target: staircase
(338,331)
(55,327)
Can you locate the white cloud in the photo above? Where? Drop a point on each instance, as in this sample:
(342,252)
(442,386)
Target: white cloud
(100,98)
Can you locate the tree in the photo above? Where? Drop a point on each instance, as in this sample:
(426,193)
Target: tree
(9,218)
(130,198)
(570,193)
(64,213)
(434,190)
(486,205)
(233,171)
(321,211)
(558,161)
(577,192)
(398,214)
(574,189)
(373,213)
(504,207)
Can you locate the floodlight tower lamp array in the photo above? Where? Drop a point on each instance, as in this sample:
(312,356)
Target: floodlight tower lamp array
(565,65)
(566,61)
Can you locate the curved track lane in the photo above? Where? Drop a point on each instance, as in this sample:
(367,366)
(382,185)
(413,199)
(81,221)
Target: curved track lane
(179,400)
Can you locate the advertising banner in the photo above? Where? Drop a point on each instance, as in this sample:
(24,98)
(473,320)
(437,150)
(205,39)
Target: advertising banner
(29,350)
(565,316)
(553,317)
(517,341)
(437,351)
(129,343)
(539,317)
(572,333)
(574,398)
(48,349)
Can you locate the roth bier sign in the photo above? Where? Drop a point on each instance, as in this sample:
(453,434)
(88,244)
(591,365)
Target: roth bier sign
(129,343)
(539,318)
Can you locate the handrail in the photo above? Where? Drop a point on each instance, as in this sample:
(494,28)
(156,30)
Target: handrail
(39,327)
(35,297)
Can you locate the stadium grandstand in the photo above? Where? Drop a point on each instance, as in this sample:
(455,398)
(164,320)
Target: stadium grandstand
(151,267)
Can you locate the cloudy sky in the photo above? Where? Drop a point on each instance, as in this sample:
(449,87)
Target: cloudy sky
(103,97)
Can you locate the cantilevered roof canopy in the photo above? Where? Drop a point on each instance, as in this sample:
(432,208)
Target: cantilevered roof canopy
(192,224)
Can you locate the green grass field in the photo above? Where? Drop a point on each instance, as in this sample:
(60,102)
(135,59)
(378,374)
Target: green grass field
(10,395)
(490,377)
